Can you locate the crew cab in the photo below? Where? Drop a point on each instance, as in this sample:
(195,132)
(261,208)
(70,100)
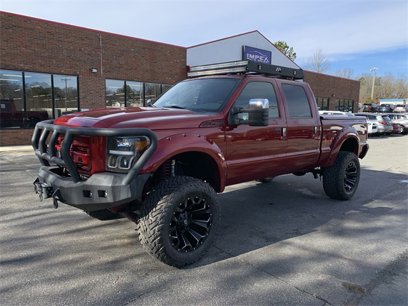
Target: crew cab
(161,166)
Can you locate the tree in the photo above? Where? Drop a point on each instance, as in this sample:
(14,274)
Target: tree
(387,87)
(318,62)
(345,73)
(285,49)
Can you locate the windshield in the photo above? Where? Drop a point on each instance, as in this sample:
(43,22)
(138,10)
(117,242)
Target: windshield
(200,95)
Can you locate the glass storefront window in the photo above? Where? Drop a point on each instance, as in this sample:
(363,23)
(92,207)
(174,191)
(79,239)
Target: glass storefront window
(166,87)
(322,103)
(38,97)
(115,93)
(344,105)
(152,91)
(134,94)
(11,99)
(65,94)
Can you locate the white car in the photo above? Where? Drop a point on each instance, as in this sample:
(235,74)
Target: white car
(372,128)
(334,113)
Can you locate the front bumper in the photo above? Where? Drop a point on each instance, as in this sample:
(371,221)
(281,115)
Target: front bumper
(59,177)
(100,191)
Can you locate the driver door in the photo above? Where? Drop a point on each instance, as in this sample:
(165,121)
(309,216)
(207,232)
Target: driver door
(255,152)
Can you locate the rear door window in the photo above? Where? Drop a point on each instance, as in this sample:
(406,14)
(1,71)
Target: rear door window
(297,102)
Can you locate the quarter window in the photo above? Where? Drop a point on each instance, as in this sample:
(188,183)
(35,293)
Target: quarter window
(296,101)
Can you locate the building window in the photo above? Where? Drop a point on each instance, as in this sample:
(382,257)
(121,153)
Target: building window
(11,99)
(134,94)
(121,93)
(322,103)
(115,93)
(30,97)
(344,105)
(166,87)
(65,94)
(152,91)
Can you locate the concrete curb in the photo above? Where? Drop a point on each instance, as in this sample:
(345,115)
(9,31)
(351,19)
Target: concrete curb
(17,149)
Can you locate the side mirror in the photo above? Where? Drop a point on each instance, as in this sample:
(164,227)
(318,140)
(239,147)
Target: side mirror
(150,102)
(258,112)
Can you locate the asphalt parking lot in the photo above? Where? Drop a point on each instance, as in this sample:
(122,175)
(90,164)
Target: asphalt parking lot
(281,243)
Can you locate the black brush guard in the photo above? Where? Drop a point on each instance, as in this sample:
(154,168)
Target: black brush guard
(100,190)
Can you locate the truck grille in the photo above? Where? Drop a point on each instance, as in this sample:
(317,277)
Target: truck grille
(80,153)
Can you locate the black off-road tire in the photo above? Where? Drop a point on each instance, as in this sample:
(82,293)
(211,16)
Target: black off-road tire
(340,181)
(171,213)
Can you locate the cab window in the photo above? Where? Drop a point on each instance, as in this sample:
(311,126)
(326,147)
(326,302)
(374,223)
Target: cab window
(259,90)
(297,101)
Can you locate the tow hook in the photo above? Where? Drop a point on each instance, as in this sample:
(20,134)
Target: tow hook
(42,189)
(55,197)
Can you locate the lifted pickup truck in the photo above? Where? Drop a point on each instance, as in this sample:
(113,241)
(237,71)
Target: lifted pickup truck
(161,166)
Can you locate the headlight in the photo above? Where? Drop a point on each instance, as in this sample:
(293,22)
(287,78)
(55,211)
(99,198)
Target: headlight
(124,151)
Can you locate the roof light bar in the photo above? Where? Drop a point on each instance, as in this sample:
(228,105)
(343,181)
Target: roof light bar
(245,67)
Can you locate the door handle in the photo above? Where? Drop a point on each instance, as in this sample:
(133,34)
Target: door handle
(316,129)
(283,132)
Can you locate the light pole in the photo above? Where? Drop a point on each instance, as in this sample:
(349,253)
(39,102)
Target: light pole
(372,86)
(66,92)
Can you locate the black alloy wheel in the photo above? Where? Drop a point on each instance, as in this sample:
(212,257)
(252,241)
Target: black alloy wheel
(350,176)
(190,224)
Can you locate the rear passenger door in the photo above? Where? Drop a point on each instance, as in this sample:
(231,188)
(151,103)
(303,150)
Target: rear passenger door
(303,125)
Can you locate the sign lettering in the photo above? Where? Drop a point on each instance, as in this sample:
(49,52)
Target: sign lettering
(257,55)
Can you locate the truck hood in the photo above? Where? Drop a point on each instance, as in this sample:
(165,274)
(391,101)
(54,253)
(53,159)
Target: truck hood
(137,117)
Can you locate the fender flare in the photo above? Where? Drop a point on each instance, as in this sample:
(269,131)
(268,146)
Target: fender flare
(171,146)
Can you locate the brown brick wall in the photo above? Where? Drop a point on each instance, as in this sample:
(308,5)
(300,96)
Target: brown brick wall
(326,86)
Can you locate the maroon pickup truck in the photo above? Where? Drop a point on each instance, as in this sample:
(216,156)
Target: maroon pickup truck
(161,166)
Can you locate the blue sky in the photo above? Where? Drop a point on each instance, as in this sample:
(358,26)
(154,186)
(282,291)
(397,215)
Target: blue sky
(352,34)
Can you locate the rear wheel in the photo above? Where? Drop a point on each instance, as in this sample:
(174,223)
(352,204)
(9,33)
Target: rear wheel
(179,219)
(340,181)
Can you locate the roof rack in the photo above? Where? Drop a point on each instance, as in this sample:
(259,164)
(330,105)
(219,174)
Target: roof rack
(245,67)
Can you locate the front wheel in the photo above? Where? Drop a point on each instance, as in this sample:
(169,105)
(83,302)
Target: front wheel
(340,181)
(179,219)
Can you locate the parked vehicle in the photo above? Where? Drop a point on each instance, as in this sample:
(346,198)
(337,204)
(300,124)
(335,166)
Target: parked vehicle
(161,166)
(372,107)
(400,108)
(372,128)
(384,108)
(383,126)
(400,119)
(335,113)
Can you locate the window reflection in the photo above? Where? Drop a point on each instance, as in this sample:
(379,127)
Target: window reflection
(11,99)
(65,94)
(115,93)
(152,91)
(134,94)
(42,102)
(38,96)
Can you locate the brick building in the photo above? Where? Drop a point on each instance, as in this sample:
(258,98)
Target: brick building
(49,68)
